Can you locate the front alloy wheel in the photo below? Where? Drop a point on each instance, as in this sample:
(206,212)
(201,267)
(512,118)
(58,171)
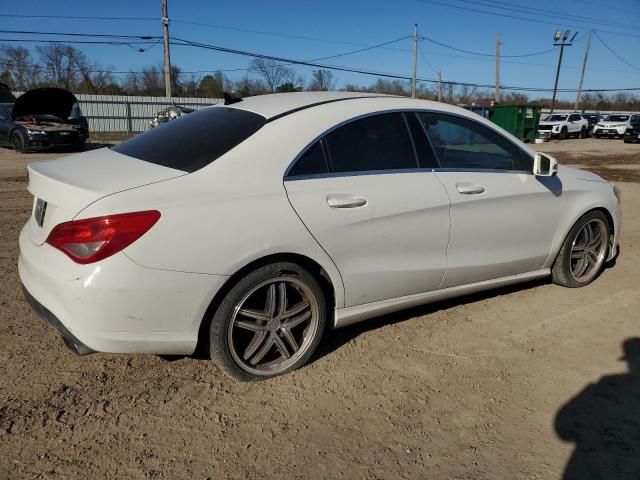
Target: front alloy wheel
(584,251)
(269,323)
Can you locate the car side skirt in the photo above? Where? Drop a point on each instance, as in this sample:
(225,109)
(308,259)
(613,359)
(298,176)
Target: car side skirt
(350,315)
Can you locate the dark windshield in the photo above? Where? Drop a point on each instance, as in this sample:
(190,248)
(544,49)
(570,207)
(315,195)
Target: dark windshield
(193,141)
(555,118)
(616,118)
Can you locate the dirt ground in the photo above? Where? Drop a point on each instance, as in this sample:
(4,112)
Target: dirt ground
(466,389)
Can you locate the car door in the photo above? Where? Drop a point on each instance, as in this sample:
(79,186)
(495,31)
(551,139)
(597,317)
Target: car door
(382,215)
(503,218)
(575,123)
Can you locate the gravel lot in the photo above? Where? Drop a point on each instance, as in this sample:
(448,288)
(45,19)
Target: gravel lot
(465,389)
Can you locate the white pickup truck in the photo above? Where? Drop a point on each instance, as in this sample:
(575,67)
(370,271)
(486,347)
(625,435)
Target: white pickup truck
(563,125)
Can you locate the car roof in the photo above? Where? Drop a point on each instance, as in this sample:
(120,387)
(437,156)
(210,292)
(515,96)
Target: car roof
(276,105)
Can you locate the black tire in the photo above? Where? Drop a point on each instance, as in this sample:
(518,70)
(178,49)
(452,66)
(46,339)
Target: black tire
(18,143)
(564,133)
(224,342)
(562,268)
(583,133)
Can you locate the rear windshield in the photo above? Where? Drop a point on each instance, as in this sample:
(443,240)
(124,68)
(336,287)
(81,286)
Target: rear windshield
(195,140)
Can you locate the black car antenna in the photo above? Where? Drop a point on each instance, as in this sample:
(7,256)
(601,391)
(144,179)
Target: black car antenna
(229,99)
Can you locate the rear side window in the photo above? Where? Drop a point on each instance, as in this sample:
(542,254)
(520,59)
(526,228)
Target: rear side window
(378,142)
(466,144)
(312,162)
(195,140)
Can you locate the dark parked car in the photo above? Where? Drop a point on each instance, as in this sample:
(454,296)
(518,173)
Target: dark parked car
(41,119)
(632,133)
(592,118)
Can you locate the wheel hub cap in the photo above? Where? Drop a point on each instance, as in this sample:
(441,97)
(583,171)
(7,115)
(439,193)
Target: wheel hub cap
(273,325)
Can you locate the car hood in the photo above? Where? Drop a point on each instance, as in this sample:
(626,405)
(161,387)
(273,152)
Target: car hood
(579,174)
(549,123)
(44,101)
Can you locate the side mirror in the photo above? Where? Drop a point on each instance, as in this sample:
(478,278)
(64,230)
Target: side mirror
(544,165)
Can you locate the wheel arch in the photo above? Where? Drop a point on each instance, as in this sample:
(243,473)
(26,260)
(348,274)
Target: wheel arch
(313,267)
(562,238)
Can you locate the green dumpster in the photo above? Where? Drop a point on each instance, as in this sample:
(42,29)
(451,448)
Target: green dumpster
(519,120)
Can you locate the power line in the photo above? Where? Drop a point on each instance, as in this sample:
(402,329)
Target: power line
(487,54)
(525,19)
(77,34)
(614,52)
(512,7)
(77,17)
(369,72)
(188,22)
(80,42)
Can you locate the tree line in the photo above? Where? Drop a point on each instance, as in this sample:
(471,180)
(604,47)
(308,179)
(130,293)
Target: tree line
(61,65)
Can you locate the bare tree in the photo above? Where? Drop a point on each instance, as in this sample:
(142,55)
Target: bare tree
(272,72)
(18,69)
(322,80)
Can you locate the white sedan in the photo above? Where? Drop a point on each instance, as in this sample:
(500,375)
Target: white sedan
(249,229)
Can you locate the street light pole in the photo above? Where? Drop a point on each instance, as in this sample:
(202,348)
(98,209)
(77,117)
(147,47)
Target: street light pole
(558,42)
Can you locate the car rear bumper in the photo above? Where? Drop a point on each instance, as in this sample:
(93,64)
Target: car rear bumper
(70,340)
(115,305)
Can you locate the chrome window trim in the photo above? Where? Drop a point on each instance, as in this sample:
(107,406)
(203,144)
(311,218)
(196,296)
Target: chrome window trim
(358,174)
(375,172)
(402,170)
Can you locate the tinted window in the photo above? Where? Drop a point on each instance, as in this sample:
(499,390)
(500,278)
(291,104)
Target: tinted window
(465,144)
(379,142)
(426,157)
(574,118)
(312,162)
(195,140)
(4,113)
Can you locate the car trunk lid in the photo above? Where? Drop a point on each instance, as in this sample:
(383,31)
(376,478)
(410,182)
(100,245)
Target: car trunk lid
(70,184)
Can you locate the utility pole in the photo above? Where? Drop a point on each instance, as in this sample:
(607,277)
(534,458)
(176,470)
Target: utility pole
(167,59)
(584,67)
(497,97)
(439,86)
(415,61)
(563,43)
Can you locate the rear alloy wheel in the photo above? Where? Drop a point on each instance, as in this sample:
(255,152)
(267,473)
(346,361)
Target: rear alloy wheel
(563,133)
(18,143)
(269,323)
(583,253)
(583,133)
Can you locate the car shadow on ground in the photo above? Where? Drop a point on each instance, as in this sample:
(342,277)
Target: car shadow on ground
(603,421)
(335,339)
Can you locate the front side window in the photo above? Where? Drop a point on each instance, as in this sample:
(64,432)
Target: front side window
(574,118)
(461,143)
(378,142)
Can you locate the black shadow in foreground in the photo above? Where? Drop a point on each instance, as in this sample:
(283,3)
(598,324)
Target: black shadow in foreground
(604,422)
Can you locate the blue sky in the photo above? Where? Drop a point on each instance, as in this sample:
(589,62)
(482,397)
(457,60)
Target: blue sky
(333,27)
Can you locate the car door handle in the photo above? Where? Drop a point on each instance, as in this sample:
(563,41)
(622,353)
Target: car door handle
(469,189)
(341,200)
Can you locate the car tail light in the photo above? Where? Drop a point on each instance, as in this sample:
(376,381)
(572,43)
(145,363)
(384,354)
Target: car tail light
(92,239)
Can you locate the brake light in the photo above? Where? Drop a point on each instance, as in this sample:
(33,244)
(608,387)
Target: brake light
(92,239)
